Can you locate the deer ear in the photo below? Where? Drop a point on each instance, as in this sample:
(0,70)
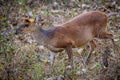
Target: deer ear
(29,20)
(38,19)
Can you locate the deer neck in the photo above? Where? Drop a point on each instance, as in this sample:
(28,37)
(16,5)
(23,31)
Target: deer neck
(42,36)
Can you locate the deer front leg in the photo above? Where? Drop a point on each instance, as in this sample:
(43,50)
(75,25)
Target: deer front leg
(52,59)
(70,54)
(92,46)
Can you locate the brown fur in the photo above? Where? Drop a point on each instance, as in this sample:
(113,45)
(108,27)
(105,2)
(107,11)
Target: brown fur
(75,33)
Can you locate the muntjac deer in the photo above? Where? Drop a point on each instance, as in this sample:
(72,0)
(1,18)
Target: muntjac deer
(75,33)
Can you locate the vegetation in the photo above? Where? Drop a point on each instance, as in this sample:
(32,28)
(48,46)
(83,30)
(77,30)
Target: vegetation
(21,58)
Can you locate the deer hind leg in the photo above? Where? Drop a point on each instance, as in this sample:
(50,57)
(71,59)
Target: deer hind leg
(92,46)
(105,57)
(107,35)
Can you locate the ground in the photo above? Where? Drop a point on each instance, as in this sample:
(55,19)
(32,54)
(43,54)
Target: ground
(21,58)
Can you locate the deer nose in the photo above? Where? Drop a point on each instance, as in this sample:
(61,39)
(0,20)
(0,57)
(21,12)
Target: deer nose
(16,32)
